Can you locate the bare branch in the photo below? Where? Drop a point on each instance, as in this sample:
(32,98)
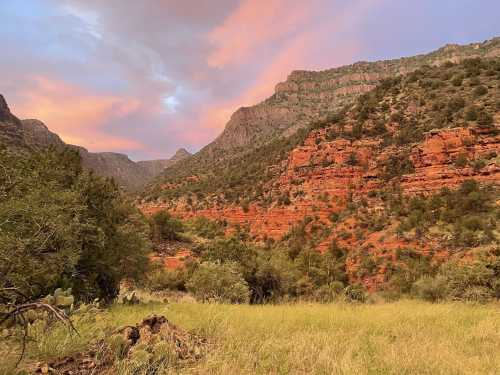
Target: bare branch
(17,313)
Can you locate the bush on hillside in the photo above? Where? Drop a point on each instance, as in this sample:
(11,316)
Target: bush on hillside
(471,113)
(206,228)
(213,282)
(475,281)
(469,213)
(397,165)
(329,292)
(164,227)
(484,119)
(355,293)
(432,289)
(161,279)
(480,91)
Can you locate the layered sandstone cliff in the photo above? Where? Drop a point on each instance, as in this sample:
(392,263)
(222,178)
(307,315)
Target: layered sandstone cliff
(311,95)
(414,135)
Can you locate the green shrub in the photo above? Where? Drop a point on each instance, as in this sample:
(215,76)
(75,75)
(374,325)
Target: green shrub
(219,283)
(480,91)
(474,281)
(165,227)
(455,104)
(160,279)
(478,164)
(484,119)
(206,228)
(471,113)
(432,289)
(461,161)
(352,159)
(334,217)
(457,81)
(397,165)
(355,293)
(467,214)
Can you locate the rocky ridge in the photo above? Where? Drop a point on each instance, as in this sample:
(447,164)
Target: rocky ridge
(304,98)
(411,136)
(130,175)
(311,95)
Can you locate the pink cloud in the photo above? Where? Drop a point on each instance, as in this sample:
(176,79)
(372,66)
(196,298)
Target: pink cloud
(211,59)
(303,50)
(77,116)
(253,25)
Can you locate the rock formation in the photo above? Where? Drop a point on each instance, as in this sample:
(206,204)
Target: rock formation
(412,135)
(128,174)
(311,95)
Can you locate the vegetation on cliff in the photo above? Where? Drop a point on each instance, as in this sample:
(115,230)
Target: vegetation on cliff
(465,221)
(395,115)
(383,233)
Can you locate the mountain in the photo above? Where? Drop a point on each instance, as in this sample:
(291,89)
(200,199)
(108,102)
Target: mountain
(155,167)
(10,126)
(412,163)
(128,174)
(131,175)
(309,96)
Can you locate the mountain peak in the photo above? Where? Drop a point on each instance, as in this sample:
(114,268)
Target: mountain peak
(5,114)
(181,154)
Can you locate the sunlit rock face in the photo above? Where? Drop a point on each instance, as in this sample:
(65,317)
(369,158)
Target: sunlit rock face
(310,95)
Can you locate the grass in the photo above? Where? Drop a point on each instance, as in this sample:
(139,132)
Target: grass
(406,337)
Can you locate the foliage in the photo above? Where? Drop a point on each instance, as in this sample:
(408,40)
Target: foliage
(219,283)
(164,227)
(473,280)
(469,213)
(432,289)
(355,293)
(159,279)
(476,280)
(63,227)
(206,228)
(396,165)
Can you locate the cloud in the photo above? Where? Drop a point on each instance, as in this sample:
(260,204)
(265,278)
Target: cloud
(76,116)
(302,50)
(147,77)
(253,26)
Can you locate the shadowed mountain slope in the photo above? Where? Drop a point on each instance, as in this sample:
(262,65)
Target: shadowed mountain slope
(128,174)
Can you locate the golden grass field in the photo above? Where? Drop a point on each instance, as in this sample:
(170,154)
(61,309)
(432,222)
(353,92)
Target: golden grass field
(406,337)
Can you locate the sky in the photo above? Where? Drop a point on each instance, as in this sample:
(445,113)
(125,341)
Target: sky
(147,77)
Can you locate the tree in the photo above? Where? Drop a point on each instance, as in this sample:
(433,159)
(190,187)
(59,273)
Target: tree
(219,283)
(164,227)
(63,227)
(484,119)
(114,244)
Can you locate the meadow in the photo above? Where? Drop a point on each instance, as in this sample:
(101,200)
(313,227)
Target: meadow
(405,337)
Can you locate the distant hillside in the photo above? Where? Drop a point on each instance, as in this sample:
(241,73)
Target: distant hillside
(128,174)
(155,167)
(306,97)
(413,163)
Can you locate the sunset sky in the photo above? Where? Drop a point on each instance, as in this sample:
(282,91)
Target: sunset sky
(147,77)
